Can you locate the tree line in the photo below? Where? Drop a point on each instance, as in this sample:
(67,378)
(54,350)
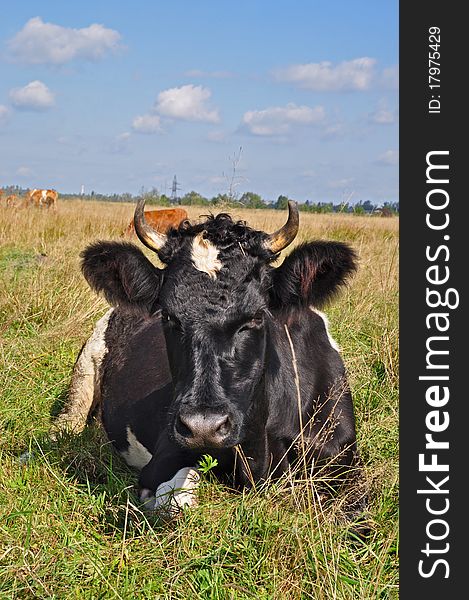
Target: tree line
(245,200)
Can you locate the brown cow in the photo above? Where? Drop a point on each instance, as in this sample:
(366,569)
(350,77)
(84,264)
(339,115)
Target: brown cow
(12,201)
(51,198)
(161,220)
(46,198)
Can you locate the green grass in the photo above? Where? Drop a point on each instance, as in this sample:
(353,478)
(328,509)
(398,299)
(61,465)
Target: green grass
(70,524)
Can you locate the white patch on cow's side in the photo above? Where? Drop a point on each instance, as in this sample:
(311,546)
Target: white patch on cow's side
(332,341)
(85,386)
(204,256)
(136,454)
(173,495)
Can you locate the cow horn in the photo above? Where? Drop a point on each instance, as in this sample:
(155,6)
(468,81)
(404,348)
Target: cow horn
(147,235)
(284,236)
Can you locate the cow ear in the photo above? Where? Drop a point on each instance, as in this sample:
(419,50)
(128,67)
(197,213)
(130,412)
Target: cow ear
(312,274)
(123,274)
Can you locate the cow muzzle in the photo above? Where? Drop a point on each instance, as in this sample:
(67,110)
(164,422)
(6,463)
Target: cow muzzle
(204,429)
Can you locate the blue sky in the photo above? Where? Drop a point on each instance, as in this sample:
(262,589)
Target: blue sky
(119,95)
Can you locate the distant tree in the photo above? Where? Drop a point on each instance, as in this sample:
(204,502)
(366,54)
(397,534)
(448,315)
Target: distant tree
(164,200)
(368,206)
(126,197)
(282,202)
(324,207)
(343,207)
(194,199)
(252,200)
(151,196)
(222,201)
(359,209)
(306,206)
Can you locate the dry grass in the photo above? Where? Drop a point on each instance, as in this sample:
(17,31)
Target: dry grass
(69,522)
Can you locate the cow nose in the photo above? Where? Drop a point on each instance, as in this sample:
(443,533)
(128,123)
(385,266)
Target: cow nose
(204,430)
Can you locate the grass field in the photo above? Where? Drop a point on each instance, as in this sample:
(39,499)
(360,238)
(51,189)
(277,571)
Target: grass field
(70,524)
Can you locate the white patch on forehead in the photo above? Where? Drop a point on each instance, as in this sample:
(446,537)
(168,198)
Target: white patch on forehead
(175,494)
(332,341)
(44,194)
(136,454)
(205,256)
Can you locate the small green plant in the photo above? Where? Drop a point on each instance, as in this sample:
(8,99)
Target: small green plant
(207,463)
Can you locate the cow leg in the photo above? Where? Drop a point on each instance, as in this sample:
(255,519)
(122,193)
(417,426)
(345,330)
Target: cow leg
(85,393)
(172,496)
(168,482)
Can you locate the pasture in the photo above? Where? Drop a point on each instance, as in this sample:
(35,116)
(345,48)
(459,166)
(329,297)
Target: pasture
(70,524)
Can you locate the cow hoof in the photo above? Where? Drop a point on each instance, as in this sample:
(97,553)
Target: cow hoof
(172,496)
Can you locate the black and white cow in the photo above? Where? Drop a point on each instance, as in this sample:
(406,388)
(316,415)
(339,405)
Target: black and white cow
(219,352)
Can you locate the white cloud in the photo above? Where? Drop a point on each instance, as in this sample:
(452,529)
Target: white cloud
(279,120)
(188,102)
(388,158)
(33,96)
(354,74)
(40,42)
(147,124)
(382,115)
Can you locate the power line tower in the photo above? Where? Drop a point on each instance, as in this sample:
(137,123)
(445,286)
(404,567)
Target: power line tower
(174,191)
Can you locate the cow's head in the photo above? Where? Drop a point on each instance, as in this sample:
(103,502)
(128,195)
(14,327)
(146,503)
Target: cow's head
(219,297)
